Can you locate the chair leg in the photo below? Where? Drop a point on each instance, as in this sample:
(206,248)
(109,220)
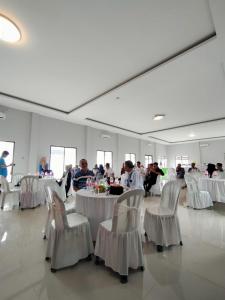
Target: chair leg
(3,200)
(89,258)
(142,268)
(44,237)
(159,248)
(146,234)
(181,243)
(97,260)
(123,279)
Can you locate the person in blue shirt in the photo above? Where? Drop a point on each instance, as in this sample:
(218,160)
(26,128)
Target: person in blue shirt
(80,178)
(43,166)
(3,166)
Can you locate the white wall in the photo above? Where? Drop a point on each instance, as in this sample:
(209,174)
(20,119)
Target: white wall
(214,153)
(192,150)
(16,128)
(34,134)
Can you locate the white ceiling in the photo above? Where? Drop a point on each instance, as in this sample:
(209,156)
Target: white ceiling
(74,51)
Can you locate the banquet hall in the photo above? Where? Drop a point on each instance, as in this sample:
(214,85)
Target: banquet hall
(90,83)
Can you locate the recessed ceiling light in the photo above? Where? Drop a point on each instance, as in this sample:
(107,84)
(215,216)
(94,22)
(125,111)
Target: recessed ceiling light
(9,32)
(158,117)
(191,135)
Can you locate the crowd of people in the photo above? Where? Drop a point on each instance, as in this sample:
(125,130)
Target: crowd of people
(211,170)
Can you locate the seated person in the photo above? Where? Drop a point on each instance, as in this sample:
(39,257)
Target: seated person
(193,168)
(180,171)
(80,178)
(131,178)
(219,167)
(43,166)
(151,178)
(210,169)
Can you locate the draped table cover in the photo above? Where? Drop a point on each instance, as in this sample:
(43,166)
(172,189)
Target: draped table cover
(215,187)
(96,207)
(42,183)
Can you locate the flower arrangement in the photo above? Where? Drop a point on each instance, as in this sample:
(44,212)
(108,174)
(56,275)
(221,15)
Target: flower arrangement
(101,187)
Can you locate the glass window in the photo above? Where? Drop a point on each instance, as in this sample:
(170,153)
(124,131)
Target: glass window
(130,156)
(162,161)
(8,146)
(60,157)
(104,157)
(148,160)
(183,160)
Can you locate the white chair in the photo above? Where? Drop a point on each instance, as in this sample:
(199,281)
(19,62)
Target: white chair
(161,223)
(29,192)
(69,206)
(16,177)
(6,190)
(195,198)
(119,239)
(69,239)
(156,189)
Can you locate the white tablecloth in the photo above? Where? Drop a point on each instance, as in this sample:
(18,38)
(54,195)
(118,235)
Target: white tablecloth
(96,207)
(41,188)
(215,187)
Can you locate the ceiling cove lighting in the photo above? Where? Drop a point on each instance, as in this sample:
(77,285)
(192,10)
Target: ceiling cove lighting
(9,32)
(158,117)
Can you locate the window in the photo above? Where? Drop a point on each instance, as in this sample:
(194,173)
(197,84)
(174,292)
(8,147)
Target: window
(60,157)
(183,160)
(162,161)
(148,160)
(8,146)
(104,157)
(130,156)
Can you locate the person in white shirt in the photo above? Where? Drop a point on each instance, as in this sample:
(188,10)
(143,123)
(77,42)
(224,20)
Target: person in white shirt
(131,179)
(140,169)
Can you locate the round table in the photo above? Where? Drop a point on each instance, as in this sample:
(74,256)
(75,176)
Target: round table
(96,207)
(215,187)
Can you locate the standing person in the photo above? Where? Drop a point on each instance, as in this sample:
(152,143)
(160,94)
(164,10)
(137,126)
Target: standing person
(140,169)
(131,178)
(109,173)
(69,178)
(3,166)
(81,176)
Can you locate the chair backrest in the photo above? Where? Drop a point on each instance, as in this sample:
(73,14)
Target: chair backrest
(170,195)
(16,178)
(192,184)
(29,184)
(52,186)
(4,185)
(59,213)
(127,211)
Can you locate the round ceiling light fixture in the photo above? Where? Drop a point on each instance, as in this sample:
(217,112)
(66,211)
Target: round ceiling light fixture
(9,32)
(191,135)
(158,117)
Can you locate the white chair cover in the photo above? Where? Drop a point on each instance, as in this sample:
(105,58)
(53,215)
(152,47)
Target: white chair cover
(16,177)
(29,192)
(119,239)
(69,206)
(70,237)
(156,188)
(161,223)
(195,198)
(5,190)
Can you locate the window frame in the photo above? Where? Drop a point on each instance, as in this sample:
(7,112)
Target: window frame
(181,159)
(111,165)
(63,155)
(148,155)
(130,157)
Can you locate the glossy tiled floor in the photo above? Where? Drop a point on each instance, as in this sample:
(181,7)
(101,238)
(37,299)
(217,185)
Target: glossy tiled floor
(194,271)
